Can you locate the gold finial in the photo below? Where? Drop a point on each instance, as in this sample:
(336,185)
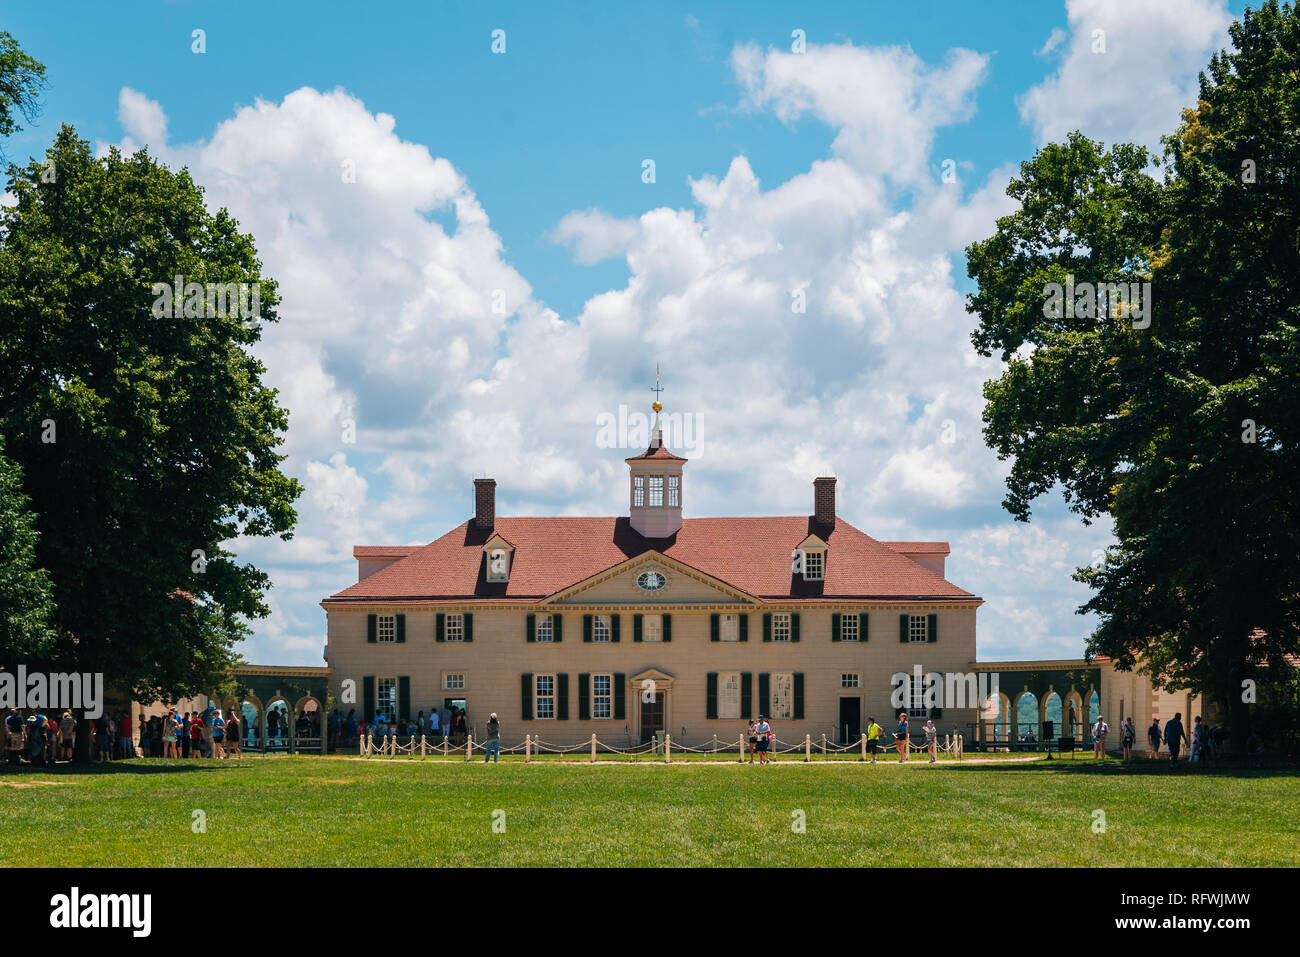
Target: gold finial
(657,405)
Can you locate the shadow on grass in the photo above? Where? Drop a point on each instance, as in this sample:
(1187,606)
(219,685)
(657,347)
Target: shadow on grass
(1138,768)
(135,766)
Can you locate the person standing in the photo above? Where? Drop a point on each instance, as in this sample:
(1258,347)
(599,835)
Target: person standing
(873,737)
(1099,732)
(1196,740)
(763,730)
(444,717)
(233,728)
(1174,737)
(1153,738)
(125,727)
(462,727)
(492,749)
(67,733)
(931,739)
(753,738)
(901,737)
(435,724)
(1127,734)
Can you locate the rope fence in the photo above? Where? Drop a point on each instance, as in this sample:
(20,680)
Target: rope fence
(390,746)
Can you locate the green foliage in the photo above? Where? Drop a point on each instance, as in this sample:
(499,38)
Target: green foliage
(164,439)
(25,594)
(21,80)
(1187,432)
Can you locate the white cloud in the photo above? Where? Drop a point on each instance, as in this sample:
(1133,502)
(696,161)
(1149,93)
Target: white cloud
(1135,90)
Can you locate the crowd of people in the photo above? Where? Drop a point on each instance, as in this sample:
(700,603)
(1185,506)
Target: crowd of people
(448,723)
(45,739)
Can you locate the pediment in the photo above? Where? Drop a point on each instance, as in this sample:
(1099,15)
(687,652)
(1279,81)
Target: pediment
(631,583)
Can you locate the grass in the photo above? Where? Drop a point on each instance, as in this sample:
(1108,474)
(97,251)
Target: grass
(303,811)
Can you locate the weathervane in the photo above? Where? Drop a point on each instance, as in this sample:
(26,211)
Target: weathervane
(657,405)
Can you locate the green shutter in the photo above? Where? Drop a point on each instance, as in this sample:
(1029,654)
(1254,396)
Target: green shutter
(614,622)
(372,628)
(526,696)
(744,628)
(586,628)
(440,628)
(469,626)
(746,694)
(557,627)
(794,626)
(620,680)
(584,696)
(715,628)
(863,621)
(932,631)
(530,630)
(368,699)
(401,628)
(404,698)
(765,693)
(562,697)
(668,628)
(835,627)
(902,628)
(636,627)
(711,695)
(767,626)
(798,696)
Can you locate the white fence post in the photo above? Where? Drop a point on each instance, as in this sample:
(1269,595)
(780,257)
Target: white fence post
(807,747)
(668,748)
(864,746)
(528,749)
(715,744)
(742,749)
(421,747)
(469,745)
(593,749)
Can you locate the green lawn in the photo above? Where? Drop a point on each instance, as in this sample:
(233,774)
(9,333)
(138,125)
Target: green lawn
(300,811)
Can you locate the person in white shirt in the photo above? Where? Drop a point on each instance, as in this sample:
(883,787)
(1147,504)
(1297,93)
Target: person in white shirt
(1099,731)
(764,731)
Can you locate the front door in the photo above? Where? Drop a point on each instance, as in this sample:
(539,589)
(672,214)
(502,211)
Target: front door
(652,714)
(850,719)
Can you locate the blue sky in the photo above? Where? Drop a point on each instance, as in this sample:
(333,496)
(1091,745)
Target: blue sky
(521,173)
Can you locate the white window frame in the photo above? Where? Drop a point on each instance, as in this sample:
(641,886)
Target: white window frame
(729,628)
(544,697)
(638,491)
(729,683)
(656,498)
(381,698)
(600,701)
(602,625)
(814,565)
(918,629)
(453,627)
(916,692)
(782,709)
(849,627)
(386,629)
(545,629)
(781,626)
(449,681)
(674,491)
(504,576)
(850,680)
(652,627)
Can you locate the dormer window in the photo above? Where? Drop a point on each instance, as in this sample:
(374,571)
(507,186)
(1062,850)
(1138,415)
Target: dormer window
(497,553)
(810,559)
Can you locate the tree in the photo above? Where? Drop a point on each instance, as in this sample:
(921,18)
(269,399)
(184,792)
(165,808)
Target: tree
(25,593)
(138,414)
(1179,418)
(21,80)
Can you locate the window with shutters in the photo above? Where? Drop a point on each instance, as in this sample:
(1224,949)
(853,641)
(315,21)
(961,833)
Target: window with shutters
(916,628)
(600,628)
(656,491)
(916,706)
(387,628)
(848,627)
(544,699)
(782,695)
(638,491)
(814,565)
(674,488)
(602,696)
(729,694)
(849,679)
(729,630)
(454,681)
(386,698)
(455,630)
(781,626)
(652,627)
(545,629)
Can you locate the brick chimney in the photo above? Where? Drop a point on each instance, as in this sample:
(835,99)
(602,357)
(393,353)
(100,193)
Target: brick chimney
(485,503)
(824,500)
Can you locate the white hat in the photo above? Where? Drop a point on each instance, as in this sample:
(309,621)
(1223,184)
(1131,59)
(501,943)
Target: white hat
(493,714)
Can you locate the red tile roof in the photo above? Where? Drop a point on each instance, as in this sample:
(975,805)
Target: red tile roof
(751,554)
(383,551)
(919,548)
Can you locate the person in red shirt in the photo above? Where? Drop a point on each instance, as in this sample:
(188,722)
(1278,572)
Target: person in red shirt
(124,732)
(196,736)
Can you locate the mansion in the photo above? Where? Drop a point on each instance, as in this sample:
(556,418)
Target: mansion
(650,621)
